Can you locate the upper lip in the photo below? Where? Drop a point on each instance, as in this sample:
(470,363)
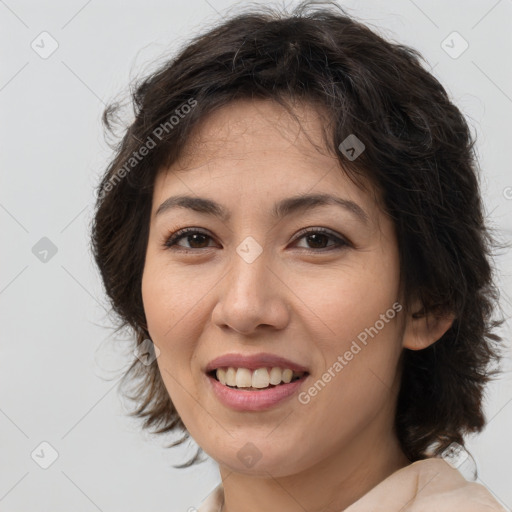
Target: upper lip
(254,361)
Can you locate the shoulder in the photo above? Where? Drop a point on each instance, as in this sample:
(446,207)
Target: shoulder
(441,487)
(425,486)
(213,501)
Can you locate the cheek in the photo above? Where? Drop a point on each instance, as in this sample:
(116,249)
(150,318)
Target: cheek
(360,350)
(170,298)
(162,312)
(348,300)
(171,306)
(357,384)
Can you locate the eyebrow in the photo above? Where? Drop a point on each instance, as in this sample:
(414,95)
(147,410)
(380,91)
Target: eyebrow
(283,208)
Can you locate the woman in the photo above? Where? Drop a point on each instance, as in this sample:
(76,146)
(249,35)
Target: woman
(293,229)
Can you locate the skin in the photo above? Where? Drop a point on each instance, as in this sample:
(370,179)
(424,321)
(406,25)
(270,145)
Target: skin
(297,300)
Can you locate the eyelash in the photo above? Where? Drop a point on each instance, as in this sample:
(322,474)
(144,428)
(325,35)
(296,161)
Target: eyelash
(170,242)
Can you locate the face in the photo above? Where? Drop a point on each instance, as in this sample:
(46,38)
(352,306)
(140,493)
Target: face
(262,281)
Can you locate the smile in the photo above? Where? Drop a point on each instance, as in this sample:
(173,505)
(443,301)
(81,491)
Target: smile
(251,380)
(262,396)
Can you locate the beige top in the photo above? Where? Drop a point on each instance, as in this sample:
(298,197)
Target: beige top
(432,483)
(214,501)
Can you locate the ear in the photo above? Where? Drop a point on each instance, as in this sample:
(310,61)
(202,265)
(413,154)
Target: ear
(423,329)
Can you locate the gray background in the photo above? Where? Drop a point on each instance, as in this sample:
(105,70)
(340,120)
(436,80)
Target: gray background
(59,363)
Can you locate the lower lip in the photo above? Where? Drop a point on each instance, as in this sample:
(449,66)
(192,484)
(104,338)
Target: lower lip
(241,400)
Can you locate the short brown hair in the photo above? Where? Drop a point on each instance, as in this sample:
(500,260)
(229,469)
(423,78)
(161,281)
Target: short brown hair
(418,153)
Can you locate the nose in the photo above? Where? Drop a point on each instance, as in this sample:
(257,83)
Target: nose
(251,297)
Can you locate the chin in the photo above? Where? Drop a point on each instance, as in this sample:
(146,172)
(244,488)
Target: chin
(259,456)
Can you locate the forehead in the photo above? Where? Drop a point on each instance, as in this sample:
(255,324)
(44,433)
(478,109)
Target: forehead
(252,128)
(254,148)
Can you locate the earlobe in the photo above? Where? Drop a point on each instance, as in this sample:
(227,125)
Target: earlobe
(424,329)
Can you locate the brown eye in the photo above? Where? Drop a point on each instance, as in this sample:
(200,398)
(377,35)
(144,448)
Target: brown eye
(196,239)
(319,239)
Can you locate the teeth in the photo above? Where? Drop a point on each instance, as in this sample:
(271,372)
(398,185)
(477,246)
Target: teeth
(275,376)
(260,378)
(287,375)
(221,375)
(243,378)
(230,376)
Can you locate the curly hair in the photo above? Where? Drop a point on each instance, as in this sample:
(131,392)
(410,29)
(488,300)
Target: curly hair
(419,154)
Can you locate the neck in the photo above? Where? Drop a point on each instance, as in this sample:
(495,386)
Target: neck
(331,485)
